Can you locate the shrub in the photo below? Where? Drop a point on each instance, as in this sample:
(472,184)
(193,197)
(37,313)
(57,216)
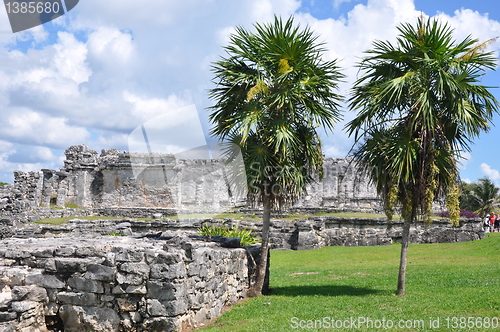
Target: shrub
(244,234)
(463,214)
(3,184)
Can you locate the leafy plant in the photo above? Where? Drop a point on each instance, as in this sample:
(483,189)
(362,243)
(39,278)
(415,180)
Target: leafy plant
(244,234)
(3,184)
(463,214)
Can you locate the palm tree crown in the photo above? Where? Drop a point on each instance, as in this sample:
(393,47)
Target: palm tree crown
(419,105)
(273,91)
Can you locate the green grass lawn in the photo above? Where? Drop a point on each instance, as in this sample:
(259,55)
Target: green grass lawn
(446,284)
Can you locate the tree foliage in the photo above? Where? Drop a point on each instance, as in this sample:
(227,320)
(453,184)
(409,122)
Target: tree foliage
(419,105)
(481,197)
(273,90)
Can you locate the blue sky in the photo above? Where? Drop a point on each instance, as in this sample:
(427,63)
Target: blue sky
(99,72)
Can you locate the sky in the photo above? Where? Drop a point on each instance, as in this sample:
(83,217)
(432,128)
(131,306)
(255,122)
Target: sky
(103,70)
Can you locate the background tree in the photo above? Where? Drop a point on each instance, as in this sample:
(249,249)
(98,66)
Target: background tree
(419,106)
(483,197)
(467,200)
(273,90)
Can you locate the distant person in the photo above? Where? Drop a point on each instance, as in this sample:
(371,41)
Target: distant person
(497,223)
(492,222)
(486,223)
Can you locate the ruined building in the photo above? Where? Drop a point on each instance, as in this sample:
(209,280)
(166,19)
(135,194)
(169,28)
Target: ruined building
(117,179)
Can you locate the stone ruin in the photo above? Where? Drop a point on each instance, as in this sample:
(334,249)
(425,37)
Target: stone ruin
(110,181)
(118,284)
(158,275)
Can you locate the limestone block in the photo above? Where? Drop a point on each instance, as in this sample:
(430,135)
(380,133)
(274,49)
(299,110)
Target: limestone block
(100,272)
(136,289)
(136,268)
(45,281)
(168,271)
(107,298)
(155,308)
(22,306)
(79,318)
(29,293)
(160,324)
(129,278)
(12,275)
(126,304)
(43,253)
(50,265)
(118,290)
(129,255)
(163,257)
(163,291)
(83,299)
(71,265)
(65,251)
(17,254)
(86,285)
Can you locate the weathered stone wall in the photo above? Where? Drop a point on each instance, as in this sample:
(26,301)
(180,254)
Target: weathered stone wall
(312,233)
(117,283)
(120,180)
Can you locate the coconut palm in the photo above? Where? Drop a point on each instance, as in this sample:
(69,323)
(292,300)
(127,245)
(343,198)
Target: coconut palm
(419,105)
(485,196)
(273,90)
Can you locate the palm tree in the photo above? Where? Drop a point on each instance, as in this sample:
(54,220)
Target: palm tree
(272,91)
(485,196)
(419,105)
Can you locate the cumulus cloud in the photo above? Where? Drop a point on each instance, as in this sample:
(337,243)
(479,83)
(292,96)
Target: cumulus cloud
(489,172)
(466,158)
(109,67)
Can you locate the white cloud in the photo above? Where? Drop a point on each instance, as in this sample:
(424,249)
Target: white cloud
(467,180)
(489,172)
(465,160)
(117,66)
(29,127)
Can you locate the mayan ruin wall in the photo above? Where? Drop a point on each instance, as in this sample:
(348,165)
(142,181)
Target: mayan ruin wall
(114,179)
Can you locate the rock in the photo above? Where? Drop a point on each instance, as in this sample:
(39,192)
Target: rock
(155,308)
(137,268)
(22,306)
(45,281)
(100,272)
(86,285)
(81,318)
(160,324)
(29,293)
(227,242)
(7,316)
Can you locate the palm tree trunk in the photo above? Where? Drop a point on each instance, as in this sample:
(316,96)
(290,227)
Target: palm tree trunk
(261,283)
(404,253)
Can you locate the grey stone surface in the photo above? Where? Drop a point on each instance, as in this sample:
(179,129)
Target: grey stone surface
(140,284)
(120,183)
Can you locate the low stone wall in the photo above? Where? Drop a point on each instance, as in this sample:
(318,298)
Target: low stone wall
(117,283)
(312,233)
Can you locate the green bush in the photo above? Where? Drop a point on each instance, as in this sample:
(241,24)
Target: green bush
(244,234)
(3,184)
